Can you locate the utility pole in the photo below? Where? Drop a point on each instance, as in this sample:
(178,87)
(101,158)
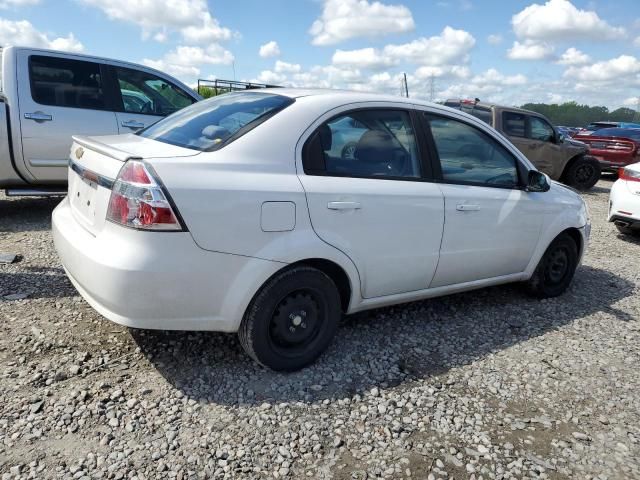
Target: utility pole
(432,87)
(406,86)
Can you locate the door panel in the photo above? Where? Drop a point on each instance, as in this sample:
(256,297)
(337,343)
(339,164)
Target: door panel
(390,229)
(62,97)
(365,197)
(491,225)
(496,235)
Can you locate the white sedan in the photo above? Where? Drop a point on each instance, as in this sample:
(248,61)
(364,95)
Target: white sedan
(240,214)
(624,200)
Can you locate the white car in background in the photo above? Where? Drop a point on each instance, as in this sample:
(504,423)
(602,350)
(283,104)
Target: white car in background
(624,200)
(241,214)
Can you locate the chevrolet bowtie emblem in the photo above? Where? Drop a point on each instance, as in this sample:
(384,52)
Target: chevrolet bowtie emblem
(79,152)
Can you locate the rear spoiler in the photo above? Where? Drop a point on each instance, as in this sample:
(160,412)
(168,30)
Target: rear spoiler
(104,149)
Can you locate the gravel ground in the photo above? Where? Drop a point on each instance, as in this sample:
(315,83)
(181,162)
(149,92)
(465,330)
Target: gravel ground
(487,384)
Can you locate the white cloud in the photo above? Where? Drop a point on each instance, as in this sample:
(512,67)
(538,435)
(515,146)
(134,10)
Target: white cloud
(494,39)
(269,49)
(631,101)
(272,78)
(617,69)
(23,33)
(185,61)
(451,46)
(561,20)
(453,71)
(363,58)
(17,3)
(191,18)
(573,56)
(284,67)
(530,50)
(344,19)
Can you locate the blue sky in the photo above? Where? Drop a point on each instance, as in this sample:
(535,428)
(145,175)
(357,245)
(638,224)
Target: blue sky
(512,52)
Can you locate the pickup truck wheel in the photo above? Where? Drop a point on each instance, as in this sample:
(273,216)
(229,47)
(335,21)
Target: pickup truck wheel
(556,268)
(291,320)
(583,173)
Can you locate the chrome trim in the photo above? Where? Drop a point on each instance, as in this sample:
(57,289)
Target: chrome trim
(92,176)
(29,192)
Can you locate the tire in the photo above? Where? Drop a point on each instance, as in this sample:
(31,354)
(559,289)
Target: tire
(291,320)
(556,268)
(583,173)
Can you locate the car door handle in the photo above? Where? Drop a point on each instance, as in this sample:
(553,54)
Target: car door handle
(132,124)
(464,207)
(344,206)
(38,117)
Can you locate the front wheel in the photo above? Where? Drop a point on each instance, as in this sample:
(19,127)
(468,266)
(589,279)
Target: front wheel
(556,268)
(583,173)
(291,320)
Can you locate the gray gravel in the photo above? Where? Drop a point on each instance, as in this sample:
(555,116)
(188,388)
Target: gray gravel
(482,385)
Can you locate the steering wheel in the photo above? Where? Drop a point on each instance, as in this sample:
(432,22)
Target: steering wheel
(502,179)
(147,107)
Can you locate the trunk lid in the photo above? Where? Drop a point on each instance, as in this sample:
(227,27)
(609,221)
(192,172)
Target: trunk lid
(94,165)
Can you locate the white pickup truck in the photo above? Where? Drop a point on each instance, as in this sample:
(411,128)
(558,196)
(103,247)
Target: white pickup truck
(48,96)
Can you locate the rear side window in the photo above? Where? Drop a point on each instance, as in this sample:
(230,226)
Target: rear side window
(364,143)
(212,123)
(62,82)
(145,93)
(514,124)
(483,114)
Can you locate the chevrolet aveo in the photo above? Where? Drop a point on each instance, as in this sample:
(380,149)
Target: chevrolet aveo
(271,213)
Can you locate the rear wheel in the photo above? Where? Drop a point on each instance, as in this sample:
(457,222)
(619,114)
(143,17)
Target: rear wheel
(291,320)
(583,173)
(556,268)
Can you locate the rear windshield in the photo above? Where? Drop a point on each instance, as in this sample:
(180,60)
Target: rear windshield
(213,123)
(620,132)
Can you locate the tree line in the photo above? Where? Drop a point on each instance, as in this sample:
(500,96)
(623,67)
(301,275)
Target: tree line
(574,115)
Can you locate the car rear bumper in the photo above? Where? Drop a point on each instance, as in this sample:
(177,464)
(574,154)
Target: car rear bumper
(624,205)
(156,280)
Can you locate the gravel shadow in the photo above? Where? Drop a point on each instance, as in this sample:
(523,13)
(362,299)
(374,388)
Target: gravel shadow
(35,282)
(384,347)
(27,214)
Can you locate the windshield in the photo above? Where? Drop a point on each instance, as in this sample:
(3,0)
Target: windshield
(212,123)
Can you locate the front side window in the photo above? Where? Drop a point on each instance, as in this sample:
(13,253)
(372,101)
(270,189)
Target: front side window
(514,124)
(148,94)
(63,82)
(211,124)
(470,156)
(365,143)
(540,130)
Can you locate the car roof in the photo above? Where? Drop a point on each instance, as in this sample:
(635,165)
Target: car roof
(341,95)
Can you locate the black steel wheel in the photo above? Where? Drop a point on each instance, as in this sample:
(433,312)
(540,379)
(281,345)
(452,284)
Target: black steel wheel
(583,173)
(556,268)
(292,319)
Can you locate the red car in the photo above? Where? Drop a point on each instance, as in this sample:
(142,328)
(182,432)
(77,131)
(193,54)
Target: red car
(613,147)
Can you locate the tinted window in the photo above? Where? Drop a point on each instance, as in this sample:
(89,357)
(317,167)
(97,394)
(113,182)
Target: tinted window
(66,83)
(483,114)
(540,130)
(145,93)
(634,134)
(514,124)
(366,143)
(468,155)
(209,124)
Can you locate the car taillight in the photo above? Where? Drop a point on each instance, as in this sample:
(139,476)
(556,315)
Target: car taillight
(628,175)
(139,201)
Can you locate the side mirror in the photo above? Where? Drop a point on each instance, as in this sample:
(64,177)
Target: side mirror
(561,137)
(537,182)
